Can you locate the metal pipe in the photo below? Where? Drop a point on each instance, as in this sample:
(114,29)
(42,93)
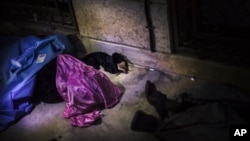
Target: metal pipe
(150,25)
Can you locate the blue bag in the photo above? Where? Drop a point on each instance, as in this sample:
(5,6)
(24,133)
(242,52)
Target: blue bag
(21,58)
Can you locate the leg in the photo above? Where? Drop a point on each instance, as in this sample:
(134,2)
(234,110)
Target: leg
(156,99)
(161,103)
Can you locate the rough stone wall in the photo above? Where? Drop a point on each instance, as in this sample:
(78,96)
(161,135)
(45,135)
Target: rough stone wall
(122,22)
(120,26)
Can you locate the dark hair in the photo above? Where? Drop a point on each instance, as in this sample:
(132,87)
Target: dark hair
(117,58)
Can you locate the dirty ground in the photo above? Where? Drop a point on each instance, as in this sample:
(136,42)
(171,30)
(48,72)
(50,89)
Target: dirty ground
(46,122)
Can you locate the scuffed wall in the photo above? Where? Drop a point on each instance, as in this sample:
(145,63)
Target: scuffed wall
(122,22)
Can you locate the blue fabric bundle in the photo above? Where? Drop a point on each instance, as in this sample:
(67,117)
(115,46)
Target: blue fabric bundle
(20,59)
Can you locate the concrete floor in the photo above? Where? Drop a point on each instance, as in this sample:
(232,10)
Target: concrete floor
(46,122)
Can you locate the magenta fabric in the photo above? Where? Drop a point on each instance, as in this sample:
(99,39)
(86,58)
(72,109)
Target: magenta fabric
(85,90)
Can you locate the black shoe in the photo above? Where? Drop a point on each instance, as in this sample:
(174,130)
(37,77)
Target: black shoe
(150,89)
(156,99)
(143,122)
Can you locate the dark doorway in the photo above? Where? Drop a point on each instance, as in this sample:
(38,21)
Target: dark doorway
(212,29)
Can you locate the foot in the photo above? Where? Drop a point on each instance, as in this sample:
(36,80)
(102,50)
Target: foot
(156,99)
(159,106)
(150,89)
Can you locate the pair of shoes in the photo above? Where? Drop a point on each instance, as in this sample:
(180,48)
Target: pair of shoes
(156,99)
(143,122)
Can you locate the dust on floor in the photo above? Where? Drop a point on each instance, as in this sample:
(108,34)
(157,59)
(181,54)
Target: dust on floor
(46,122)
